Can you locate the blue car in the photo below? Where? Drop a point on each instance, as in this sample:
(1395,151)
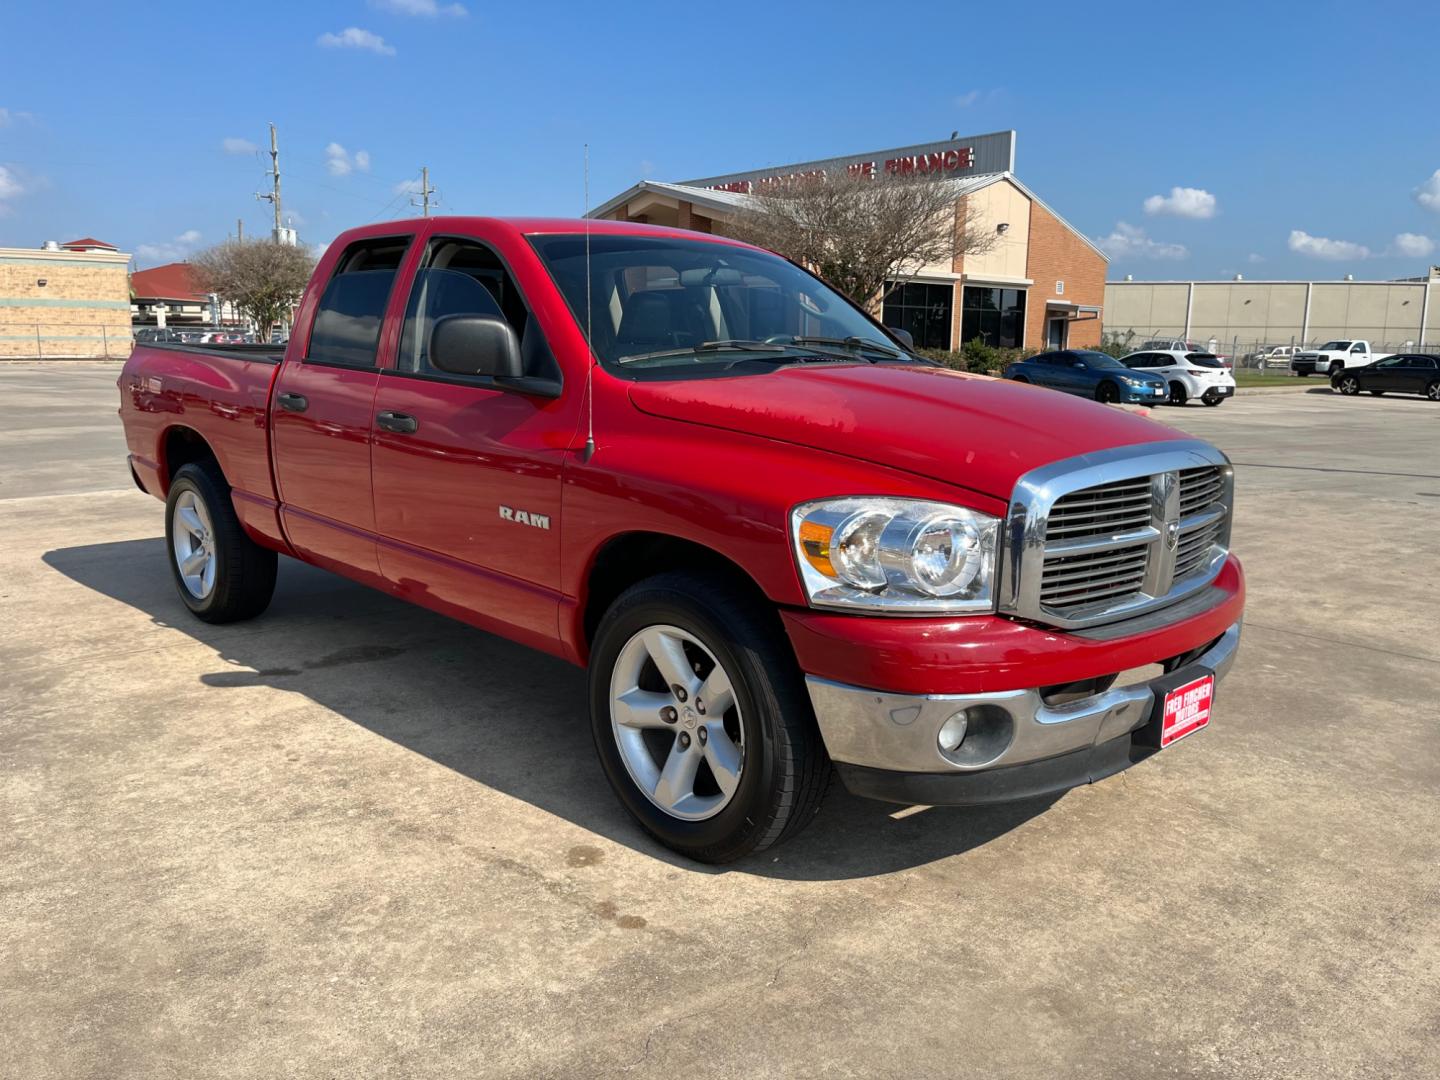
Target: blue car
(1090,374)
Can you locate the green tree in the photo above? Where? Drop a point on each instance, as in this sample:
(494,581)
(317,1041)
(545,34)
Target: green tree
(261,278)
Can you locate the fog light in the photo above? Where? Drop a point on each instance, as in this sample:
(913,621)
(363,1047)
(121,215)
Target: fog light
(952,732)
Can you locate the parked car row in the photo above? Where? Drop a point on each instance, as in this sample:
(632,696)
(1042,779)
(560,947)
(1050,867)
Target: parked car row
(1149,377)
(191,335)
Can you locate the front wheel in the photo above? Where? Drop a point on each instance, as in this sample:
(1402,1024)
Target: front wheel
(1335,369)
(220,573)
(702,721)
(1348,385)
(1107,392)
(1433,391)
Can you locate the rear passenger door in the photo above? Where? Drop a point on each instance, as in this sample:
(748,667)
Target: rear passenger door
(467,481)
(321,417)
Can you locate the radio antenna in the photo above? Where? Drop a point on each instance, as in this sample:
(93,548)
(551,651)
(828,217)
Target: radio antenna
(590,370)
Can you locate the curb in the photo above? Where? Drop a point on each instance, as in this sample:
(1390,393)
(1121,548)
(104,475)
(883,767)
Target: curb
(1305,384)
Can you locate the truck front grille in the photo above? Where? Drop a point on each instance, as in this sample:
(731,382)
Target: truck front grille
(1153,530)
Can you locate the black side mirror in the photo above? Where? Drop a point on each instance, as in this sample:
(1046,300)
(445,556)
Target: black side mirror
(904,337)
(476,345)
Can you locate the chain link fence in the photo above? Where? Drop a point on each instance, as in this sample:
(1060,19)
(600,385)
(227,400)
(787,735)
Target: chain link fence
(1246,349)
(65,340)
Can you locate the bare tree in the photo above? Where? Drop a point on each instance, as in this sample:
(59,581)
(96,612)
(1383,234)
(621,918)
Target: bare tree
(261,278)
(863,236)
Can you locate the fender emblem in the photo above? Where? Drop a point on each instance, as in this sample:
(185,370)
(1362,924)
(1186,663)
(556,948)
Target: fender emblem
(524,517)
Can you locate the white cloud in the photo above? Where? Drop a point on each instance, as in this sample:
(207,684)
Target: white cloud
(233,145)
(1428,193)
(1183,202)
(170,251)
(10,117)
(1414,245)
(340,162)
(352,37)
(1320,247)
(1253,258)
(965,100)
(10,186)
(427,9)
(408,187)
(1130,242)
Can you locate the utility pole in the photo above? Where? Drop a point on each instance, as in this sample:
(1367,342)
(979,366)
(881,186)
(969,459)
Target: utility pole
(239,230)
(273,196)
(425,191)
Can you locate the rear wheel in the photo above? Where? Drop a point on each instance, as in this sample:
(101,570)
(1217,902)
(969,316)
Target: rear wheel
(220,573)
(1177,393)
(1107,392)
(1348,384)
(702,721)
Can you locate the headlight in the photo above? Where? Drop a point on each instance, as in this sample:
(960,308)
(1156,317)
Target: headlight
(906,556)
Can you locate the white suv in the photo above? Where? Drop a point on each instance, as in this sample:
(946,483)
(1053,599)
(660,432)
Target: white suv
(1190,374)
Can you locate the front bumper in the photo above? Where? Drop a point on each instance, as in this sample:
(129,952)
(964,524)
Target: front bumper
(1144,395)
(1307,365)
(887,745)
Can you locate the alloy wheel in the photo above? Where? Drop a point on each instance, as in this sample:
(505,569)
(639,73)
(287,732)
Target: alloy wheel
(676,722)
(193,544)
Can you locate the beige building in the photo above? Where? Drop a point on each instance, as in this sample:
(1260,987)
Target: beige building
(65,300)
(1240,315)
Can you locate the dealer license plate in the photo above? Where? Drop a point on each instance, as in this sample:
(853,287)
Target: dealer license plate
(1186,709)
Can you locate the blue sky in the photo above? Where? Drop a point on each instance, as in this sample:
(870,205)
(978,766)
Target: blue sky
(1280,139)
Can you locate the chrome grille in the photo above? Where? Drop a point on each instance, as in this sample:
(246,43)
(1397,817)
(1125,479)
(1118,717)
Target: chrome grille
(1117,533)
(1109,508)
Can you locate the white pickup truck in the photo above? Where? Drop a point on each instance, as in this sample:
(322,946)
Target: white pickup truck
(1334,356)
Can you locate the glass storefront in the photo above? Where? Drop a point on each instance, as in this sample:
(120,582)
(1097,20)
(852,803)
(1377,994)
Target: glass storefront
(995,316)
(922,309)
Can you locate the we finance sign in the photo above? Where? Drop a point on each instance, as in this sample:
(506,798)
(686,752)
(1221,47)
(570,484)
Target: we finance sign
(950,159)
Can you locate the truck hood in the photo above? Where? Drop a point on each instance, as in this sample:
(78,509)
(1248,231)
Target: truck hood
(968,430)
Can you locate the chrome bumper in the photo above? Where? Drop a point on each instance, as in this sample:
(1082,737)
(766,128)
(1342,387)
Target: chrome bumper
(901,732)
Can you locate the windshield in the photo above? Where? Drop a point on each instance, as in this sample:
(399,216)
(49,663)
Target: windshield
(1099,360)
(700,306)
(1334,346)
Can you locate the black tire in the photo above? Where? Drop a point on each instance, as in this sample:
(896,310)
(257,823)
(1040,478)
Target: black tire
(244,571)
(1107,392)
(1212,400)
(785,770)
(1433,391)
(1335,369)
(1348,385)
(1177,393)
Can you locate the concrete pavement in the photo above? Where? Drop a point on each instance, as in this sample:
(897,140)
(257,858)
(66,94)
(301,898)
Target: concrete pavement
(352,838)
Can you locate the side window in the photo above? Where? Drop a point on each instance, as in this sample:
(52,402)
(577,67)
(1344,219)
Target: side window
(464,277)
(347,321)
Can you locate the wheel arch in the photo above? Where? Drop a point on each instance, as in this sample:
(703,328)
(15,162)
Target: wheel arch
(631,557)
(180,446)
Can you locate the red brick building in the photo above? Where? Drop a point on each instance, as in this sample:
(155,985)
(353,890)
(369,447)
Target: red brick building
(1041,283)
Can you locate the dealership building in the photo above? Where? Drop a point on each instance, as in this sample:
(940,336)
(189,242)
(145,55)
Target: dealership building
(1039,283)
(70,299)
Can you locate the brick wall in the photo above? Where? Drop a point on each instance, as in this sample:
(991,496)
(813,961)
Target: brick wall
(83,309)
(1057,254)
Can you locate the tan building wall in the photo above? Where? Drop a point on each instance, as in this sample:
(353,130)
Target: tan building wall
(1249,313)
(81,309)
(1057,254)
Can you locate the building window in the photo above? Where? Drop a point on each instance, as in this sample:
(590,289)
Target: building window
(922,310)
(995,316)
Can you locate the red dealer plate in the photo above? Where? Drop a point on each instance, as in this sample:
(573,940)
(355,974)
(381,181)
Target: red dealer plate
(1186,709)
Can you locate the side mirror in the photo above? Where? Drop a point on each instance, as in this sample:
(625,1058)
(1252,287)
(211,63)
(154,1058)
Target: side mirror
(476,345)
(904,337)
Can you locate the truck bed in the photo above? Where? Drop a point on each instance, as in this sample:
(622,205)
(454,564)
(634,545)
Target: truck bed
(270,354)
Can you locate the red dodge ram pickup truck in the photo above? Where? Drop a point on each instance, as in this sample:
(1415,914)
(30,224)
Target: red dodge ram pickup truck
(781,543)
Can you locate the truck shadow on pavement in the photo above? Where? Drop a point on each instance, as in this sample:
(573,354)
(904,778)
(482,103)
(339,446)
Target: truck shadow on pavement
(491,710)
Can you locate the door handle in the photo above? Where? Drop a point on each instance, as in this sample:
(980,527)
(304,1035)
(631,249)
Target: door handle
(293,402)
(398,422)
